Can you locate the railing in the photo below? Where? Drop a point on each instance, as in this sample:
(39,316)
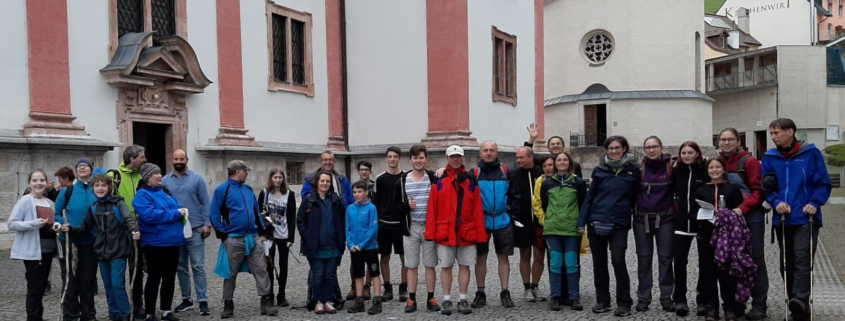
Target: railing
(741,80)
(586,140)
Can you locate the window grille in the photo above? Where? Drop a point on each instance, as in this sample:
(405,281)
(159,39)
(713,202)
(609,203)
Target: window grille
(130,16)
(295,173)
(297,29)
(497,58)
(163,15)
(280,54)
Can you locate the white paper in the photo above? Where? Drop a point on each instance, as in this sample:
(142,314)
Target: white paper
(706,212)
(267,245)
(187,231)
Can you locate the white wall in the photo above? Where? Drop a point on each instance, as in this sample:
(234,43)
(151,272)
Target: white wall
(387,71)
(743,110)
(655,43)
(499,121)
(14,87)
(802,79)
(93,101)
(563,120)
(282,116)
(673,120)
(774,23)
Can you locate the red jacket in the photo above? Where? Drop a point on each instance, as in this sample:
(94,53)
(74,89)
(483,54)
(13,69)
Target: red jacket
(755,199)
(444,224)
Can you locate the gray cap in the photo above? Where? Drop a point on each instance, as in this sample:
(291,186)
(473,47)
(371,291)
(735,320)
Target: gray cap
(238,165)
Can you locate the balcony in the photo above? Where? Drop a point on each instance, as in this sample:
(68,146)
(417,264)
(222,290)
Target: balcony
(749,79)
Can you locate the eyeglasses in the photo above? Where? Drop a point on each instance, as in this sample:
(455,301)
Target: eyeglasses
(82,165)
(727,140)
(327,160)
(652,147)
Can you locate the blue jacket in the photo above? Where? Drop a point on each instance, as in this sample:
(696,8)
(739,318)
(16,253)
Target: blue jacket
(240,215)
(362,226)
(159,219)
(802,180)
(612,195)
(493,183)
(308,221)
(345,188)
(80,199)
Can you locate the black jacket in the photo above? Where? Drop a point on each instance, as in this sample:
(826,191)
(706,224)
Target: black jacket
(686,180)
(523,181)
(308,220)
(290,215)
(612,196)
(113,222)
(707,193)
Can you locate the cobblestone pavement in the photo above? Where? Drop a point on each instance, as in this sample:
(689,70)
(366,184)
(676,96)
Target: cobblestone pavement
(13,289)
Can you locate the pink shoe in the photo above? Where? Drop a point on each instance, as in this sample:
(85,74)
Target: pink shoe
(319,308)
(329,308)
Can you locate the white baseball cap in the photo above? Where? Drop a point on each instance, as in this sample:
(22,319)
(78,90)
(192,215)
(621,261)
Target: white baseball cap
(454,150)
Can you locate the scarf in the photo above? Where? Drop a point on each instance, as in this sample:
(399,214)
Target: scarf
(617,163)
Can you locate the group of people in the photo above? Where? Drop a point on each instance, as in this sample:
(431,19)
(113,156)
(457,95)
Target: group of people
(540,204)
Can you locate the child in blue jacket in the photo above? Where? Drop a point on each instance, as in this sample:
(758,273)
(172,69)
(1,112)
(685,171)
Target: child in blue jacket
(361,232)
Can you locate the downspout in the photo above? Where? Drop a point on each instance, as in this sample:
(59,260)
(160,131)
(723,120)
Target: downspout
(345,108)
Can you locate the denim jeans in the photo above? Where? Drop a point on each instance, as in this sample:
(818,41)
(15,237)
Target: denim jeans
(564,254)
(114,281)
(323,278)
(193,251)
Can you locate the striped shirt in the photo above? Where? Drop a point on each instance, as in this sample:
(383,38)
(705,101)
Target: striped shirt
(418,191)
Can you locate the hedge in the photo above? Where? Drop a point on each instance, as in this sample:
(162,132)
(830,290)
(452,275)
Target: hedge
(836,160)
(838,149)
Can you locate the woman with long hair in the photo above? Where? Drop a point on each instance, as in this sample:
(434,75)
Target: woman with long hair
(278,206)
(606,215)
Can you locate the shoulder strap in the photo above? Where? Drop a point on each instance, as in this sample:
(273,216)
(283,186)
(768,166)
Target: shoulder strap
(68,192)
(741,166)
(669,169)
(266,196)
(504,170)
(642,170)
(476,171)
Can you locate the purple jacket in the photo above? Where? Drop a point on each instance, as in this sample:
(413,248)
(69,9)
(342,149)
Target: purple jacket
(732,241)
(656,190)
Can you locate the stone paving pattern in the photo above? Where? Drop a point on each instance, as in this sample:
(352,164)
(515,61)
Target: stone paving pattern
(13,290)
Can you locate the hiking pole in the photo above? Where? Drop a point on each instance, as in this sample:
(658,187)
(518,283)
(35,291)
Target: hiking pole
(67,275)
(132,281)
(783,265)
(811,267)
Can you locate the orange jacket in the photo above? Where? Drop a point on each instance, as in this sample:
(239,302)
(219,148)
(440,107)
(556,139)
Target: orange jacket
(455,214)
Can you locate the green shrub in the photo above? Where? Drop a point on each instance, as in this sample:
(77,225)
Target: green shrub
(836,160)
(838,149)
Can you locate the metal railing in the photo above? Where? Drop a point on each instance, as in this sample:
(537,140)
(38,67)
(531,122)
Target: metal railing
(586,140)
(743,80)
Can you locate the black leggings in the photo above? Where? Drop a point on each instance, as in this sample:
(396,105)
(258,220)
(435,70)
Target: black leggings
(36,283)
(681,245)
(162,263)
(282,267)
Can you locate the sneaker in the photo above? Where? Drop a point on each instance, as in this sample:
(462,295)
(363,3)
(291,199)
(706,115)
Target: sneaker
(576,305)
(185,306)
(357,307)
(319,308)
(375,308)
(681,309)
(329,308)
(535,292)
(446,308)
(480,300)
(601,308)
(463,307)
(168,316)
(554,304)
(712,314)
(403,292)
(756,314)
(642,306)
(151,317)
(667,305)
(410,306)
(204,310)
(528,296)
(798,309)
(622,311)
(431,305)
(351,295)
(730,316)
(506,299)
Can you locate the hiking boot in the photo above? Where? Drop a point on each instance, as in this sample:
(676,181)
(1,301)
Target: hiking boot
(506,299)
(601,308)
(622,311)
(576,305)
(431,305)
(329,308)
(375,308)
(480,300)
(185,306)
(756,314)
(712,314)
(554,304)
(681,309)
(358,306)
(667,305)
(410,306)
(388,293)
(168,316)
(228,309)
(642,306)
(528,296)
(281,301)
(139,313)
(367,294)
(463,307)
(701,309)
(204,310)
(535,292)
(730,316)
(566,300)
(267,307)
(447,308)
(798,309)
(403,292)
(351,295)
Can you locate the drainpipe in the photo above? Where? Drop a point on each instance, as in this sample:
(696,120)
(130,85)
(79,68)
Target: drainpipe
(345,108)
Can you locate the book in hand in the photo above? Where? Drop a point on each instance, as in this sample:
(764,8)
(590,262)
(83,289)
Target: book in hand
(707,211)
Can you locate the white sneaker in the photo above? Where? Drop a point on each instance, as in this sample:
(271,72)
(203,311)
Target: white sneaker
(329,307)
(528,296)
(319,308)
(537,295)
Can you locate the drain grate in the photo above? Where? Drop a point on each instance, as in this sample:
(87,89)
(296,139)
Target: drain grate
(829,290)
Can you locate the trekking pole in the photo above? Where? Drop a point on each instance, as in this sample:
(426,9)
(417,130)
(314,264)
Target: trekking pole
(811,268)
(67,275)
(132,281)
(783,265)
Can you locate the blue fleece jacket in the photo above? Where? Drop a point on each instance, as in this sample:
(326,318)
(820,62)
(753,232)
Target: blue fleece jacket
(76,208)
(362,226)
(242,208)
(159,219)
(802,180)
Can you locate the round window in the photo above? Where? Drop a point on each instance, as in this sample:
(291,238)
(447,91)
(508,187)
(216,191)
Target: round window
(597,46)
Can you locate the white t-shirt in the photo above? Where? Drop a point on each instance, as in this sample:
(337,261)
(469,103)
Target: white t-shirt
(277,206)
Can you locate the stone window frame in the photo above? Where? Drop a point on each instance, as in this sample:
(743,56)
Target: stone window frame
(589,35)
(305,17)
(181,11)
(504,45)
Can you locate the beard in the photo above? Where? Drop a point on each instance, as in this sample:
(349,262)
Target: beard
(179,167)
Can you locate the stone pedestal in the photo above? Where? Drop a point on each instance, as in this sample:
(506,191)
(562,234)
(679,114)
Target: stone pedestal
(48,124)
(336,143)
(448,138)
(231,136)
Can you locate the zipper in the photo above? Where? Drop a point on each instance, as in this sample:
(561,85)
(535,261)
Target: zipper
(689,187)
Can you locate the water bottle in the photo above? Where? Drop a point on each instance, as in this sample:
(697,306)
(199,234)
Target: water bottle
(722,202)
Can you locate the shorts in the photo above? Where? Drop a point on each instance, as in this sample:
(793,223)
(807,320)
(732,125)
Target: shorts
(502,242)
(524,236)
(390,239)
(415,245)
(539,239)
(447,255)
(365,260)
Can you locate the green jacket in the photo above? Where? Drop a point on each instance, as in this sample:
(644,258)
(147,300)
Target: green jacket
(562,198)
(129,179)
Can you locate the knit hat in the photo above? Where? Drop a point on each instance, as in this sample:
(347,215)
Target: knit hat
(148,170)
(86,161)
